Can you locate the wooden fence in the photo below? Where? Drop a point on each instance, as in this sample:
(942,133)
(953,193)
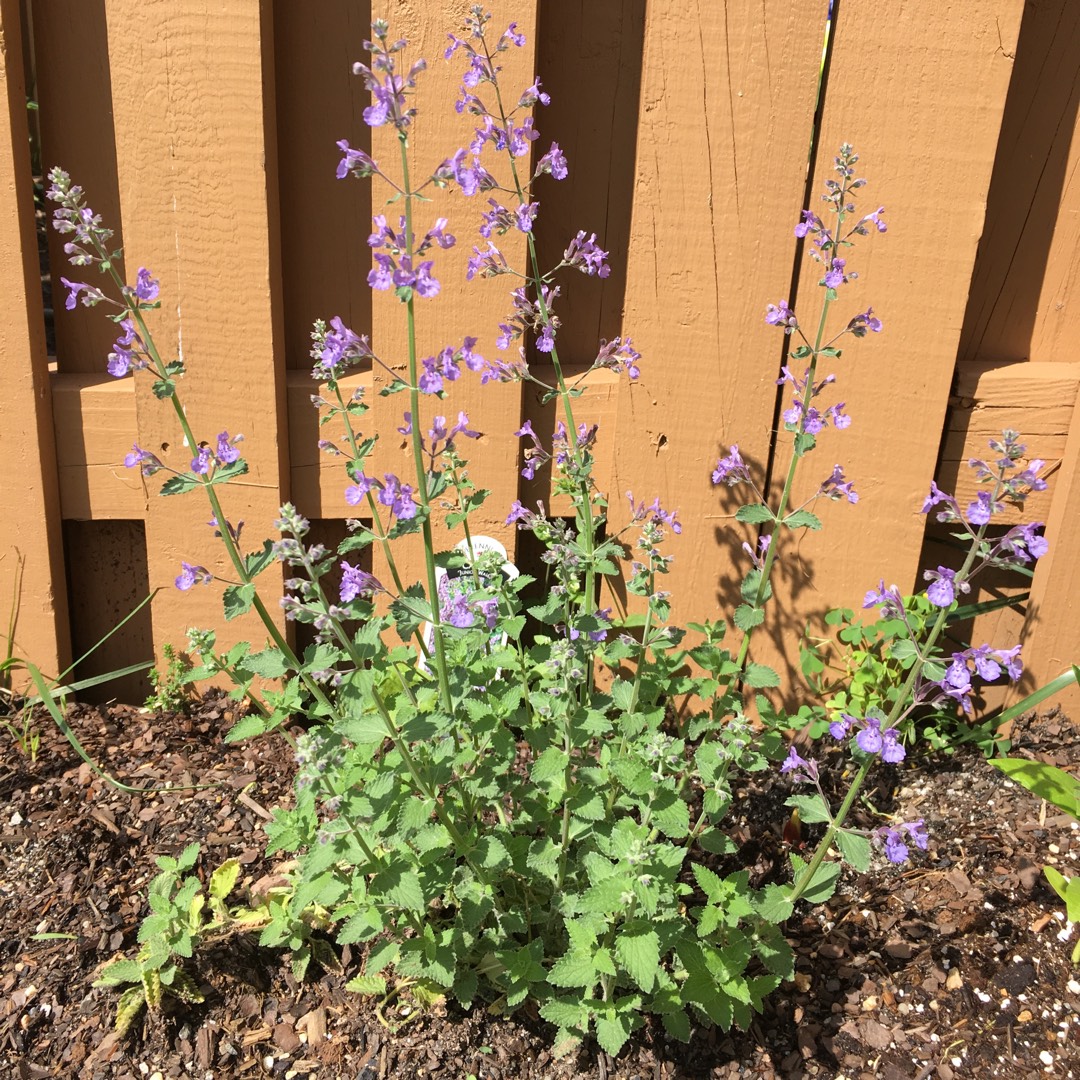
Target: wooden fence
(205,131)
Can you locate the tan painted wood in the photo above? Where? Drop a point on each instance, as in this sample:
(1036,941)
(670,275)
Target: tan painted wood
(727,100)
(325,260)
(928,152)
(1038,400)
(30,524)
(75,115)
(1052,625)
(94,422)
(1024,286)
(462,308)
(196,190)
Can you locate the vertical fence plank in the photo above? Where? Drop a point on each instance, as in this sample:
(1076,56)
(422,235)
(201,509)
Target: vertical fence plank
(1052,624)
(75,116)
(462,308)
(32,531)
(195,168)
(925,119)
(728,97)
(1029,254)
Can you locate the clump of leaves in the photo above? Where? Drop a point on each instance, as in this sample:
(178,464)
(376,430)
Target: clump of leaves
(171,682)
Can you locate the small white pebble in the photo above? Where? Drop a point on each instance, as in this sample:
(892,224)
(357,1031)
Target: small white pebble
(1046,1057)
(1073,986)
(1006,1003)
(1053,849)
(15,819)
(268,1062)
(957,1062)
(982,996)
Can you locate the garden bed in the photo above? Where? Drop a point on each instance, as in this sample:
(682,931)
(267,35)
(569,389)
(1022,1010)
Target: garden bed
(952,966)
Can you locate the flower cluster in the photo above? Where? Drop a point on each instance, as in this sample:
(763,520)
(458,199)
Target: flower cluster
(617,355)
(337,348)
(445,366)
(392,493)
(388,87)
(892,839)
(208,458)
(731,470)
(982,660)
(870,737)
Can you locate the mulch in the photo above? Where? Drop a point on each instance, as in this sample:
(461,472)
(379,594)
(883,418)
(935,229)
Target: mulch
(955,966)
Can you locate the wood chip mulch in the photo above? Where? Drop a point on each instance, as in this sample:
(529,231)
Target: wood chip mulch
(957,966)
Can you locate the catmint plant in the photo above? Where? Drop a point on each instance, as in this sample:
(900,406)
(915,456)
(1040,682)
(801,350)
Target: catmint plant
(469,803)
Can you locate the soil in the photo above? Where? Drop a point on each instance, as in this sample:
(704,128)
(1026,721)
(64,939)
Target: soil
(955,966)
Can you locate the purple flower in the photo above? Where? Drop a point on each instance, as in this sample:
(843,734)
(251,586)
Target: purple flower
(381,276)
(937,496)
(226,451)
(835,276)
(398,497)
(1022,543)
(553,162)
(655,514)
(837,487)
(892,838)
(982,509)
(149,462)
(192,575)
(354,493)
(341,344)
(942,591)
(583,254)
(781,315)
(356,582)
(146,287)
(840,729)
(867,320)
(872,740)
(74,289)
(618,353)
(888,599)
(201,462)
(731,470)
(805,771)
(354,161)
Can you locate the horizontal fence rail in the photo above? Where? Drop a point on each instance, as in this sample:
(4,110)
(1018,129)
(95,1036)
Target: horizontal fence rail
(206,133)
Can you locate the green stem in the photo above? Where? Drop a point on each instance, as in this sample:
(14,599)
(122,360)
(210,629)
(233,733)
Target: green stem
(418,452)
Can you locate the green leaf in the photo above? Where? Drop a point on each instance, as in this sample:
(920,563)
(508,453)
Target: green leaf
(177,485)
(573,969)
(551,763)
(637,948)
(824,881)
(119,971)
(803,519)
(223,879)
(855,848)
(270,664)
(367,985)
(247,727)
(1047,781)
(613,1029)
(812,808)
(760,677)
(754,514)
(773,905)
(401,887)
(258,561)
(238,600)
(1068,889)
(804,443)
(746,617)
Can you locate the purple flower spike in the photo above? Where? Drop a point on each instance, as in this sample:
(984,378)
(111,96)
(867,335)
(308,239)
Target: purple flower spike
(804,770)
(146,287)
(190,576)
(781,315)
(356,582)
(731,470)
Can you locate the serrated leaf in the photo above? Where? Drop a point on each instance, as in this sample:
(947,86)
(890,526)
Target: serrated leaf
(568,1014)
(247,727)
(367,985)
(361,926)
(812,808)
(613,1029)
(803,519)
(754,514)
(713,840)
(677,1024)
(183,986)
(551,763)
(119,971)
(824,881)
(237,600)
(747,617)
(128,1008)
(773,905)
(270,663)
(760,677)
(573,969)
(637,948)
(223,879)
(177,485)
(855,849)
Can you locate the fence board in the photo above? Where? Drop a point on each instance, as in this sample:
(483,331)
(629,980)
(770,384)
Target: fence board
(1052,628)
(33,531)
(1024,284)
(191,149)
(727,99)
(888,103)
(76,122)
(462,308)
